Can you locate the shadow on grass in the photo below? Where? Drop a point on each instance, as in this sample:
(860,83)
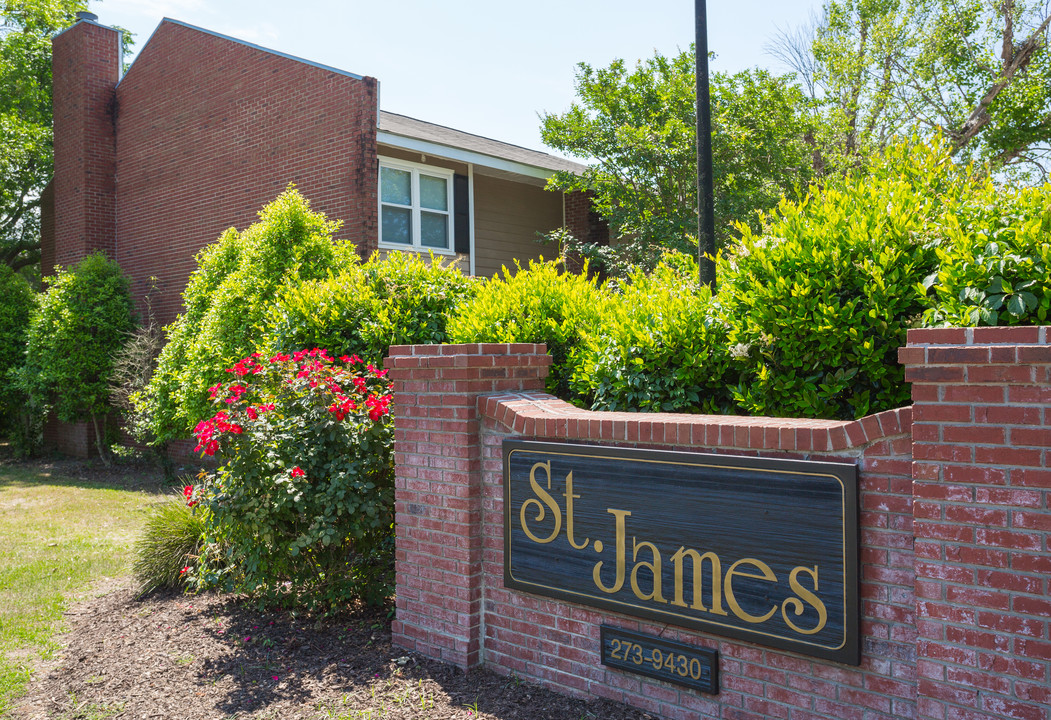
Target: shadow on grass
(59,471)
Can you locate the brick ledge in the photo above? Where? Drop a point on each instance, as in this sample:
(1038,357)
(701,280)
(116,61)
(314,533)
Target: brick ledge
(538,414)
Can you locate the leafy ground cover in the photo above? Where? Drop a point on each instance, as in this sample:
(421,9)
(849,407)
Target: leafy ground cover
(195,657)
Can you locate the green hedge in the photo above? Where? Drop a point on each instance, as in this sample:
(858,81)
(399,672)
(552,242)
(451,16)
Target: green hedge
(15,310)
(79,325)
(994,260)
(227,301)
(400,299)
(659,347)
(539,304)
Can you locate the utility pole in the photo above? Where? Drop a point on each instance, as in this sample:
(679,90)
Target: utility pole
(705,193)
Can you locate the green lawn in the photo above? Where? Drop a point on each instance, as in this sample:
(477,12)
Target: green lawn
(58,537)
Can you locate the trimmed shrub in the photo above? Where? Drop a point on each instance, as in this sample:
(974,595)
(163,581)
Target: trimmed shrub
(167,550)
(15,310)
(994,260)
(540,304)
(818,305)
(77,329)
(227,300)
(302,510)
(661,347)
(400,299)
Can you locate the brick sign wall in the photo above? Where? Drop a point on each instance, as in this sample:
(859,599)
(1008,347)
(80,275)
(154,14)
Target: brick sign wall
(956,631)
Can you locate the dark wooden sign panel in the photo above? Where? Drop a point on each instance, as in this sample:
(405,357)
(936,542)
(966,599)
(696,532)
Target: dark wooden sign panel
(673,662)
(758,549)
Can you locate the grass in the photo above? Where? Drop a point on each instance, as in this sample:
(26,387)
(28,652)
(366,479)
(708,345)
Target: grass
(58,537)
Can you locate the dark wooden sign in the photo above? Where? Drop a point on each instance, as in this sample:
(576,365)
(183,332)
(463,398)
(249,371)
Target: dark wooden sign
(673,662)
(758,549)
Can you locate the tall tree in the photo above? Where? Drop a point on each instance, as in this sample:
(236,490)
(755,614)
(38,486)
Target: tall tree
(26,153)
(978,71)
(637,129)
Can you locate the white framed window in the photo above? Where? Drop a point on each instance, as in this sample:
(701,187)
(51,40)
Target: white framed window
(415,206)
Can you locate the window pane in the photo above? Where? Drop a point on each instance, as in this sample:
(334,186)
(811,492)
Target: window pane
(433,192)
(397,226)
(396,186)
(434,230)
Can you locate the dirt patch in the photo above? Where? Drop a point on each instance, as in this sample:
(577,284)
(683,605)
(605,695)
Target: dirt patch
(210,657)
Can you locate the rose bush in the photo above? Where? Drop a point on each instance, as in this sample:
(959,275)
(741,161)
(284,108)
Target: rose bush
(301,510)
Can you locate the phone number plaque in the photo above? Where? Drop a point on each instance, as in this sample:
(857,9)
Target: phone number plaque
(673,662)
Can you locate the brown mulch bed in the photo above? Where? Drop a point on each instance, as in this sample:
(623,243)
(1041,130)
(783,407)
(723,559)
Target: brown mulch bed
(209,657)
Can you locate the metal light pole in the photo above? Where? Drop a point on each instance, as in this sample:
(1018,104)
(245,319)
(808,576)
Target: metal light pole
(705,193)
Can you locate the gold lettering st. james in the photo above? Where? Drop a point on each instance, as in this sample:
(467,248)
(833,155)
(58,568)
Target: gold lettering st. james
(646,577)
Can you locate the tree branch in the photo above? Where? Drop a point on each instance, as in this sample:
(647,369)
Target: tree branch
(979,117)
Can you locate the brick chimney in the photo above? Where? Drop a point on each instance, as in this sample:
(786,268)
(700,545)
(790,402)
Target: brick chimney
(86,61)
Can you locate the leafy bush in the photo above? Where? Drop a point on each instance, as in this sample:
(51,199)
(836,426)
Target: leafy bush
(400,299)
(994,260)
(227,300)
(15,310)
(661,347)
(167,550)
(301,511)
(541,304)
(818,305)
(80,324)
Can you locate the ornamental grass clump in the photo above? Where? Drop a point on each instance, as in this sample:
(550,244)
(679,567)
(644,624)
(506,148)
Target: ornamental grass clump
(169,544)
(301,510)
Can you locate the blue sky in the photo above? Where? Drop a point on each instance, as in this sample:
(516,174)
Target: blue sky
(483,67)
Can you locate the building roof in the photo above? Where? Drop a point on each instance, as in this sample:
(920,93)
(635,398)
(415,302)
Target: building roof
(396,129)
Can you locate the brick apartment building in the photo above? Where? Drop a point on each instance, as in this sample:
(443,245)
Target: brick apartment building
(203,130)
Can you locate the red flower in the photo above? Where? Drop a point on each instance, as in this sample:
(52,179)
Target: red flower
(251,413)
(184,570)
(297,472)
(188,494)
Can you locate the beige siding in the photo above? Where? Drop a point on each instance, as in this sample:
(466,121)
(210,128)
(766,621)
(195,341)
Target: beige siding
(508,216)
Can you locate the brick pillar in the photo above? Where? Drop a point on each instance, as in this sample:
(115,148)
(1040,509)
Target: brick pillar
(438,486)
(981,520)
(86,67)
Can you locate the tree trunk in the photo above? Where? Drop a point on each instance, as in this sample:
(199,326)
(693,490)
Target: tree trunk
(99,441)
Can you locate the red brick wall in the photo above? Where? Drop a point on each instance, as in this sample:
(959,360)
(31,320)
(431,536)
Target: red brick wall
(47,229)
(439,496)
(582,221)
(957,630)
(982,520)
(209,130)
(85,65)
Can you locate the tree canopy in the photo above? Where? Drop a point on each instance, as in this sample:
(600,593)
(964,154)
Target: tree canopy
(637,127)
(978,71)
(26,153)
